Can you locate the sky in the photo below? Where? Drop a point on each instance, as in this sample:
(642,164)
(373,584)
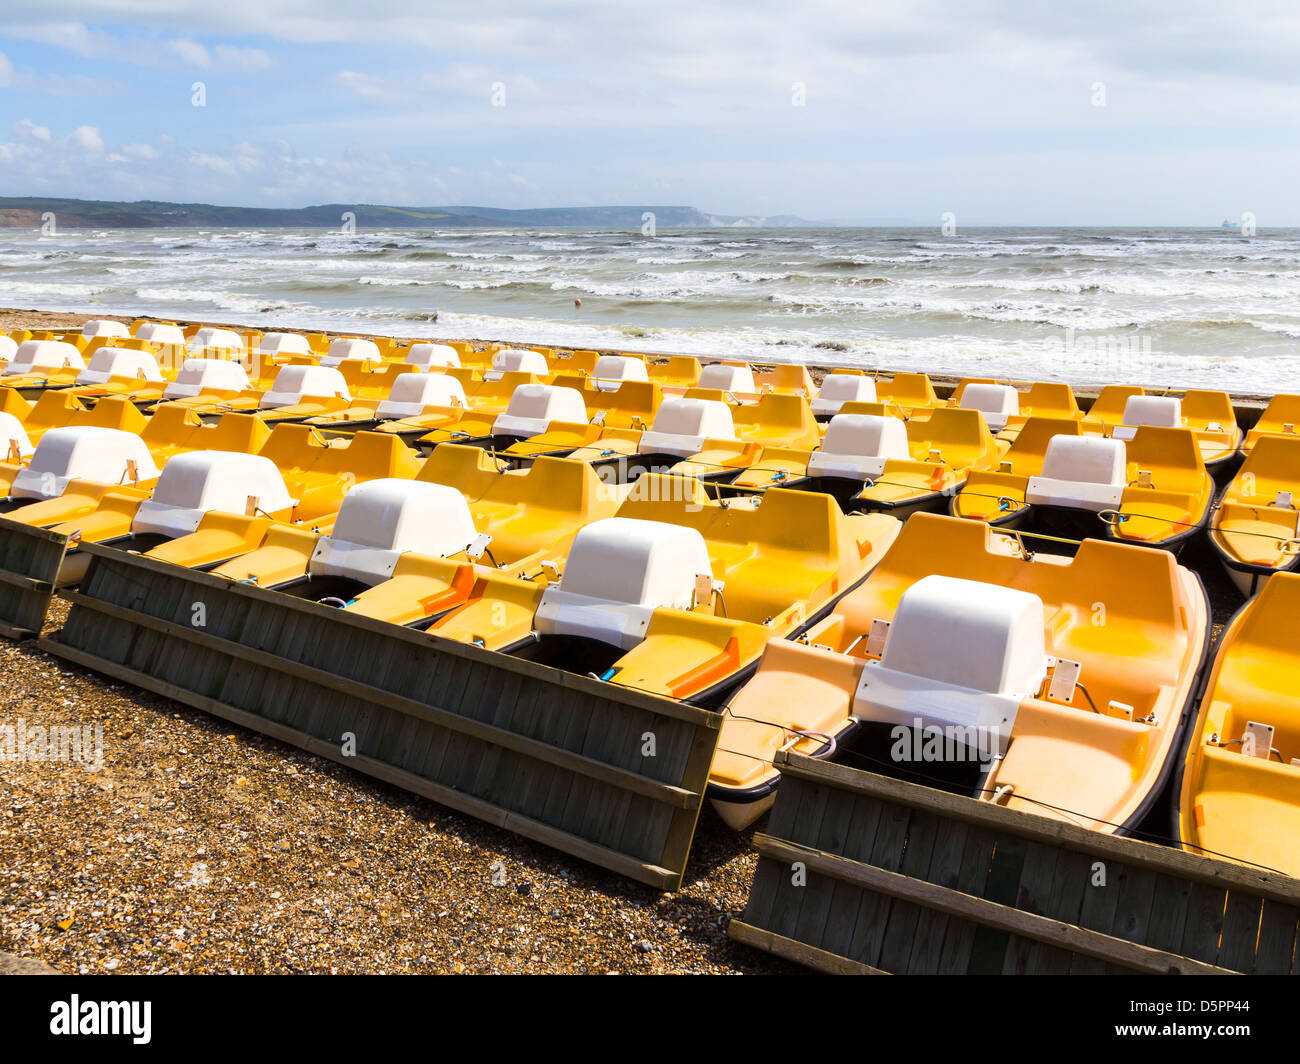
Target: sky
(994,111)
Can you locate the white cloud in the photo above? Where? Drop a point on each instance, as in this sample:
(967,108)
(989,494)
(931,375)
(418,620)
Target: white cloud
(87,139)
(241,58)
(189,52)
(26,129)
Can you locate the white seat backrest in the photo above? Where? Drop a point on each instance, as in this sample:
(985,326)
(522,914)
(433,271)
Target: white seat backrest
(352,350)
(517,360)
(1163,411)
(157,332)
(840,388)
(612,370)
(412,392)
(84,452)
(695,417)
(994,401)
(728,378)
(618,572)
(959,654)
(432,356)
(120,362)
(382,519)
(8,345)
(13,436)
(195,483)
(1085,460)
(283,343)
(534,406)
(293,384)
(40,356)
(866,435)
(211,374)
(97,327)
(210,338)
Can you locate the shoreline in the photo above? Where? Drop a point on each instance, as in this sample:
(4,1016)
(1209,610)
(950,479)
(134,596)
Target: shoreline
(1248,404)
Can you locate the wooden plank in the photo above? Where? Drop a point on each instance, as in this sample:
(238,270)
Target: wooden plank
(1072,876)
(664,878)
(1097,913)
(904,918)
(1275,954)
(1034,895)
(945,868)
(871,920)
(846,899)
(799,952)
(989,945)
(1240,932)
(1004,917)
(1034,827)
(24,583)
(30,559)
(972,878)
(1204,923)
(452,721)
(136,564)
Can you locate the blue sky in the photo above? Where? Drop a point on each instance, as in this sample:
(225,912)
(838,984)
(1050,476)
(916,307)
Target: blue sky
(1002,112)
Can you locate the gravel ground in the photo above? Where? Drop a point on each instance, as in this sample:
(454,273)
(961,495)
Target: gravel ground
(203,847)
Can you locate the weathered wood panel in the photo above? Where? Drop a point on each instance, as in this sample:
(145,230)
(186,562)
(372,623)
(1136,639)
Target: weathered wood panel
(552,756)
(859,872)
(29,565)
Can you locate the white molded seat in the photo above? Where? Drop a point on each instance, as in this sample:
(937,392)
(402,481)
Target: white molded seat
(98,327)
(735,379)
(432,356)
(381,520)
(120,362)
(682,425)
(997,402)
(198,482)
(534,406)
(210,338)
(1162,411)
(412,392)
(8,346)
(157,332)
(612,370)
(212,374)
(857,446)
(619,571)
(352,350)
(41,356)
(283,343)
(840,388)
(293,384)
(961,654)
(83,452)
(1084,472)
(14,441)
(517,360)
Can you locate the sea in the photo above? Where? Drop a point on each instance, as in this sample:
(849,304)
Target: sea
(1176,308)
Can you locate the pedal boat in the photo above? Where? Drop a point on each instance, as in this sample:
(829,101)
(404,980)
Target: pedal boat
(1152,489)
(1254,530)
(1053,685)
(1239,793)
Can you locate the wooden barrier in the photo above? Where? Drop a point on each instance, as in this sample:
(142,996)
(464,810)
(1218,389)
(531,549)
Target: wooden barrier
(30,559)
(866,874)
(604,773)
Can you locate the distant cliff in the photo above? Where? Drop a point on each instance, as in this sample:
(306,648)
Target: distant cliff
(23,212)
